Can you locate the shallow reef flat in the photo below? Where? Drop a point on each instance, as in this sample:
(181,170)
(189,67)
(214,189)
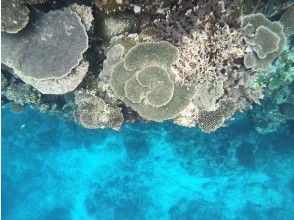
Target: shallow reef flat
(53,169)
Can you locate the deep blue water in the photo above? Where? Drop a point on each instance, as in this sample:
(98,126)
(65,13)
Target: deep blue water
(56,170)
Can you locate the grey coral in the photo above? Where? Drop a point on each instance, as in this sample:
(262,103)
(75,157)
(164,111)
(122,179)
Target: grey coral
(14,16)
(57,41)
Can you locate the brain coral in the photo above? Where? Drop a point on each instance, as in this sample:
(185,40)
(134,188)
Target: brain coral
(14,16)
(265,39)
(57,41)
(144,81)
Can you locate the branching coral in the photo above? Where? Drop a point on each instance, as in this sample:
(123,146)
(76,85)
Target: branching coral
(266,40)
(14,16)
(143,80)
(197,65)
(92,112)
(57,43)
(211,50)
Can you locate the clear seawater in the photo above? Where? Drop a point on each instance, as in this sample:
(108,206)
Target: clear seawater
(56,170)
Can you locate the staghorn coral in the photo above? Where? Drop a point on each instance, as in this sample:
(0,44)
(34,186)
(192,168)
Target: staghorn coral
(131,81)
(92,112)
(266,41)
(57,43)
(14,16)
(269,8)
(152,6)
(287,21)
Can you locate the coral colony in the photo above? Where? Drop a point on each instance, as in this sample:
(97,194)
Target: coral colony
(195,62)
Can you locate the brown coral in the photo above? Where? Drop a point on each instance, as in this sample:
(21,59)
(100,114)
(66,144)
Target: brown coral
(209,121)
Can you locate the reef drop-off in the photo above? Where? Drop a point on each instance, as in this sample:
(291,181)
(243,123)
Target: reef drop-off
(53,169)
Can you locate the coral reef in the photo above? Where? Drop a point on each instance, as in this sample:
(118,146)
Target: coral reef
(14,16)
(92,112)
(85,13)
(20,95)
(138,6)
(266,39)
(64,30)
(17,93)
(287,21)
(117,24)
(211,50)
(273,114)
(189,61)
(209,121)
(33,2)
(143,80)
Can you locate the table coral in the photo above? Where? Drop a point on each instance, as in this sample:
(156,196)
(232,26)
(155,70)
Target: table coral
(57,43)
(155,98)
(14,16)
(265,39)
(190,61)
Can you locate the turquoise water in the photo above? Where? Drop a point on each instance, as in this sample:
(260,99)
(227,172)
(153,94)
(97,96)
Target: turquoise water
(53,169)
